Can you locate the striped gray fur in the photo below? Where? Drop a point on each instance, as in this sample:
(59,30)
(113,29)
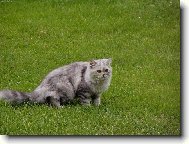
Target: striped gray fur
(82,81)
(14,96)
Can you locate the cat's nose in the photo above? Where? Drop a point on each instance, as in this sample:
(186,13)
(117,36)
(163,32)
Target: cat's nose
(104,75)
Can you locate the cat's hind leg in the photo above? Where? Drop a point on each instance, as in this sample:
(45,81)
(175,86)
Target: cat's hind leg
(52,101)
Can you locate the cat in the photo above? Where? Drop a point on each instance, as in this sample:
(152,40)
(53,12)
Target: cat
(81,81)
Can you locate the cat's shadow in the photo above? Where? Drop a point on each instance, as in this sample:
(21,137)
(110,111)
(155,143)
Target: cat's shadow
(34,104)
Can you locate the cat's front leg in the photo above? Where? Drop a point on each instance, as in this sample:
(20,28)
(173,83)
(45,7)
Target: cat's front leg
(85,99)
(96,100)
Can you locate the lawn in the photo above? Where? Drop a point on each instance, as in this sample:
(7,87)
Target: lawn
(143,40)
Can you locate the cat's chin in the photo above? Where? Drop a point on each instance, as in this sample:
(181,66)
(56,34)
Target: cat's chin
(101,80)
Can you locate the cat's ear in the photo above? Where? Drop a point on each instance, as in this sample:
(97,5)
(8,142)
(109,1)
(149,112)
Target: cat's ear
(109,62)
(92,63)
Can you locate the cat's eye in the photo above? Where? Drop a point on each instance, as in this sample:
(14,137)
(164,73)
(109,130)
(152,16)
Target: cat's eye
(106,70)
(99,71)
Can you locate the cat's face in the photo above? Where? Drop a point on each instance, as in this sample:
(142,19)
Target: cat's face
(101,70)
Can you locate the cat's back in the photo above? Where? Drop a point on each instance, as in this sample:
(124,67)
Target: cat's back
(72,70)
(68,69)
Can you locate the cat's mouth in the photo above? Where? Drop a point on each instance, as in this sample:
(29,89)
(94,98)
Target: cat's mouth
(104,77)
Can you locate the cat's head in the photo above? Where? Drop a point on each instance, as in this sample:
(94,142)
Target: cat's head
(101,69)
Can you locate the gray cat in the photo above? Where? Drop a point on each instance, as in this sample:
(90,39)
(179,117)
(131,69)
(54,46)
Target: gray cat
(82,81)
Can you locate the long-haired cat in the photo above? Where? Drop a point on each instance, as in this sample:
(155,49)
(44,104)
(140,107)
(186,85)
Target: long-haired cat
(84,81)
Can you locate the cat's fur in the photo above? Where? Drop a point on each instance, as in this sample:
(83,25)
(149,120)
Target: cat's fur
(85,81)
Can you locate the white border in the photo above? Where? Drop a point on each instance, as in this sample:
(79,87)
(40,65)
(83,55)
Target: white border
(131,140)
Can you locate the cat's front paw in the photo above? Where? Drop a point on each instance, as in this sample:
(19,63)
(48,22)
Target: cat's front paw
(60,106)
(86,104)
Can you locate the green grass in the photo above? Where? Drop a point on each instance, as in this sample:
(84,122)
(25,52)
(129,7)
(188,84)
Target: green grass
(143,39)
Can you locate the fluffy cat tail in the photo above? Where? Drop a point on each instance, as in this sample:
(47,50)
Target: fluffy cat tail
(14,97)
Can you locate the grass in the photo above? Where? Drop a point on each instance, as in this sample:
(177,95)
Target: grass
(143,39)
